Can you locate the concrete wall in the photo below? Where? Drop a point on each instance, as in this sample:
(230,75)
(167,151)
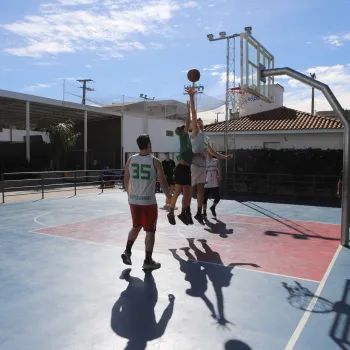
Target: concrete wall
(285,140)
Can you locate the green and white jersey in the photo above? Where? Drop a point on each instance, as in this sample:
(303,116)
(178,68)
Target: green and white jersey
(143,177)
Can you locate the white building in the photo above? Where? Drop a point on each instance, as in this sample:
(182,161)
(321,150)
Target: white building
(157,118)
(280,128)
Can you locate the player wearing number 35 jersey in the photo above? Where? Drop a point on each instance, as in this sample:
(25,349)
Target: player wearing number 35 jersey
(141,172)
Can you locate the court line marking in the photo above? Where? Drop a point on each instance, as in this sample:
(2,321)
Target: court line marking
(302,323)
(138,250)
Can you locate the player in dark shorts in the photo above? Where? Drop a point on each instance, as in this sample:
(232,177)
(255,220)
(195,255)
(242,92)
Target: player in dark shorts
(141,173)
(182,174)
(168,168)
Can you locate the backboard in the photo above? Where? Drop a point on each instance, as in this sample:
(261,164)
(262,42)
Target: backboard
(254,58)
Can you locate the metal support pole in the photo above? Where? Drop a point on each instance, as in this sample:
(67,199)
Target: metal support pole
(3,187)
(345,119)
(227,95)
(42,186)
(28,131)
(85,140)
(75,183)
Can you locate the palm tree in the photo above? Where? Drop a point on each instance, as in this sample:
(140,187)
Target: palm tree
(62,138)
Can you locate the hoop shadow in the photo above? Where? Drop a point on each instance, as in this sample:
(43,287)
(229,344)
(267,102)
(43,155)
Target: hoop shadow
(207,265)
(133,316)
(302,236)
(236,345)
(219,228)
(300,297)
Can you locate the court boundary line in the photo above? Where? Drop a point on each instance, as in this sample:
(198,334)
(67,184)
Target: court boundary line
(307,313)
(138,250)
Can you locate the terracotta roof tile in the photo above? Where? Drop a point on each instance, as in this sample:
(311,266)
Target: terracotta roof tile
(282,118)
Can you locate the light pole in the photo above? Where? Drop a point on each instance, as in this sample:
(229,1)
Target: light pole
(313,76)
(224,36)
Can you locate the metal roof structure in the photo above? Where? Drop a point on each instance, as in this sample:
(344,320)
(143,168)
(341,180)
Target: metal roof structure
(13,110)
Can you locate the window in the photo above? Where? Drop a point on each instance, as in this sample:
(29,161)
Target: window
(169,133)
(272,145)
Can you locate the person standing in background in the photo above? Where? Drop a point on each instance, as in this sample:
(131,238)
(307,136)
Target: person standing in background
(168,168)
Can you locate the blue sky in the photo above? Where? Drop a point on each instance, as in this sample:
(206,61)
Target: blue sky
(130,47)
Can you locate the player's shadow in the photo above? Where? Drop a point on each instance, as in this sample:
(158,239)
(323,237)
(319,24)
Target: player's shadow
(207,264)
(301,236)
(133,316)
(218,228)
(300,297)
(236,345)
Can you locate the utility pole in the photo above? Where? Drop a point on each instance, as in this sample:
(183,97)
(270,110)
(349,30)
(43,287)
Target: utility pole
(199,90)
(145,120)
(313,76)
(217,116)
(85,88)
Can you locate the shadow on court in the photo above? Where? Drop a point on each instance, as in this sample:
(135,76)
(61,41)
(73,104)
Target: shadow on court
(200,267)
(299,236)
(236,345)
(300,297)
(218,228)
(133,316)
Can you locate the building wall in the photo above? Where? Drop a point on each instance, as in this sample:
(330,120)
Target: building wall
(156,128)
(255,105)
(286,140)
(19,135)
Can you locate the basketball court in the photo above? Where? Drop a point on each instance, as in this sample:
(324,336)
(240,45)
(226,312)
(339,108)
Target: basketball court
(260,276)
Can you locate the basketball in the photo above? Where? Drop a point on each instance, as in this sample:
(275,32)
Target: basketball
(193,75)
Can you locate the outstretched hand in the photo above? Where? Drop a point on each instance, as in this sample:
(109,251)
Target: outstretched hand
(190,90)
(229,156)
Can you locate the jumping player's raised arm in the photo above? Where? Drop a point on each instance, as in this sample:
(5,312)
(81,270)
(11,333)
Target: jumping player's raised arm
(218,155)
(161,177)
(188,119)
(127,176)
(195,129)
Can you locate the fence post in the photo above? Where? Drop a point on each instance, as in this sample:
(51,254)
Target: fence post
(103,182)
(75,183)
(3,187)
(42,186)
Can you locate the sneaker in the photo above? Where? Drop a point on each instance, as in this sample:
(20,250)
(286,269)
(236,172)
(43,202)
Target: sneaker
(189,218)
(199,217)
(212,208)
(150,266)
(171,218)
(183,218)
(126,258)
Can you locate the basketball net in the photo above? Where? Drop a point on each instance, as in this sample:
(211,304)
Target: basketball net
(239,99)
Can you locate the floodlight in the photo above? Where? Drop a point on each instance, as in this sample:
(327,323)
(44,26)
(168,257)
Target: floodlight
(222,34)
(210,36)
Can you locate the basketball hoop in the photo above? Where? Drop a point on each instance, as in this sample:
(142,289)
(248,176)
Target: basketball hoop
(238,98)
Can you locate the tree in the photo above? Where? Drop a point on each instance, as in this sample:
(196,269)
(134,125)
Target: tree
(62,138)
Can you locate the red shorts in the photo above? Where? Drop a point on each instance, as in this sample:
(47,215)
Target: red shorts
(145,216)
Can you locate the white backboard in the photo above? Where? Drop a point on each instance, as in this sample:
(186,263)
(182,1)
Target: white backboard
(254,58)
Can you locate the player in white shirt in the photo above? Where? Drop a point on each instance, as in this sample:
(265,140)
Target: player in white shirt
(141,172)
(211,188)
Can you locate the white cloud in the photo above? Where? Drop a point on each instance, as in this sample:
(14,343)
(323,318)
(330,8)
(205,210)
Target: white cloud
(215,73)
(214,67)
(336,40)
(190,4)
(33,88)
(157,46)
(59,28)
(298,95)
(89,66)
